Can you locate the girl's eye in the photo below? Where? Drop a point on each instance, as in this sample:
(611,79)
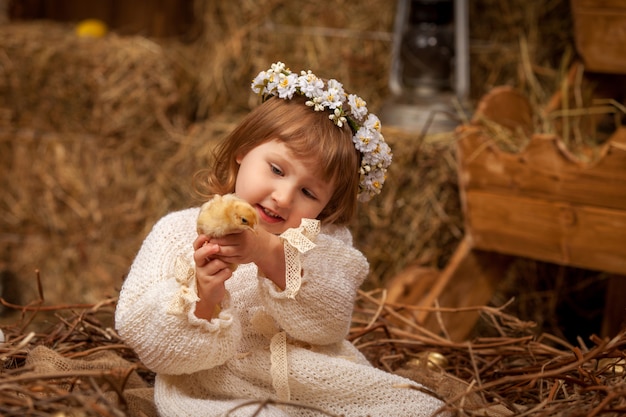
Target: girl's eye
(308,194)
(276,170)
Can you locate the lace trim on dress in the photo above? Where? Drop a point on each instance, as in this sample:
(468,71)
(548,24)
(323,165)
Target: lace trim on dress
(299,240)
(186,295)
(279,340)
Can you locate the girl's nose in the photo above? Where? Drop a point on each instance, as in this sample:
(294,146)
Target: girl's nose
(283,195)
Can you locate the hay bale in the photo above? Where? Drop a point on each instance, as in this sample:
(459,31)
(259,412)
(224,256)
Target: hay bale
(417,218)
(349,42)
(524,44)
(53,80)
(84,122)
(77,206)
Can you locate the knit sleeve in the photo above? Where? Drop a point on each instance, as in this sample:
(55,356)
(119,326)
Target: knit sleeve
(155,311)
(331,270)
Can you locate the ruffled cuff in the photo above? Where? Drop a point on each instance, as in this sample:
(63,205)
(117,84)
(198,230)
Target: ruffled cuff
(297,241)
(184,301)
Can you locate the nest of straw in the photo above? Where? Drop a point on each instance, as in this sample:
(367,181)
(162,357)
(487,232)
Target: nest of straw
(527,372)
(66,359)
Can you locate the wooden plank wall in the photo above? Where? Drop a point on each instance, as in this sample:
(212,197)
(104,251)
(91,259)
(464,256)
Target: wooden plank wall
(154,18)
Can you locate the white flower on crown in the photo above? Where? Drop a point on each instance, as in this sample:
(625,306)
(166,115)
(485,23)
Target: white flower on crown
(365,140)
(337,117)
(279,81)
(287,86)
(372,122)
(310,86)
(358,106)
(334,96)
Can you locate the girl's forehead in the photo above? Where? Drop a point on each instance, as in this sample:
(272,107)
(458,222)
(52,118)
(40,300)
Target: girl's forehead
(310,158)
(307,155)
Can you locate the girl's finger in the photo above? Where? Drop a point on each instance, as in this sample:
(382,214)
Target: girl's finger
(199,242)
(205,252)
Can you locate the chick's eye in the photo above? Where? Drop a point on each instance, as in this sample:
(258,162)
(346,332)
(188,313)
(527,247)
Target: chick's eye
(244,220)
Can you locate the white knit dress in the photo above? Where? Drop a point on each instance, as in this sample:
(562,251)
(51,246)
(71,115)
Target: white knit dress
(287,347)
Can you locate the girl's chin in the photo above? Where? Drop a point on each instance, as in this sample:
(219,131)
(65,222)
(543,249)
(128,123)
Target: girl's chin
(275,231)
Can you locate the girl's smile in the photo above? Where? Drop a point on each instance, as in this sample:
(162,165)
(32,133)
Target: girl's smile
(267,215)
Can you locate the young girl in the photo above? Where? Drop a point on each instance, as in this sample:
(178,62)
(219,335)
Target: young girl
(269,338)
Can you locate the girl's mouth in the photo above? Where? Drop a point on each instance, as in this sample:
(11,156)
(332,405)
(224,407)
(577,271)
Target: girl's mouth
(268,216)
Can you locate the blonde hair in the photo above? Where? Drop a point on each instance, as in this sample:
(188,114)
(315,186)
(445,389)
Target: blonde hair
(306,132)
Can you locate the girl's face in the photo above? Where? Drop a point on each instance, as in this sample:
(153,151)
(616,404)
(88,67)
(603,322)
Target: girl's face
(284,189)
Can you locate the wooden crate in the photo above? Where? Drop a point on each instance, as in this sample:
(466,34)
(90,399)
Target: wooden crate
(541,203)
(600,34)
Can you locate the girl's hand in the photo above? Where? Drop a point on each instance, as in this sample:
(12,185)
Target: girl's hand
(240,247)
(211,274)
(215,256)
(260,246)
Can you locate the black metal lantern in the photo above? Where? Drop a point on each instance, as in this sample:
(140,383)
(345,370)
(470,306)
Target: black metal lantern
(430,64)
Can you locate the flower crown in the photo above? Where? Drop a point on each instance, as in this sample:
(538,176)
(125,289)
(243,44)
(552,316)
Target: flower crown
(376,155)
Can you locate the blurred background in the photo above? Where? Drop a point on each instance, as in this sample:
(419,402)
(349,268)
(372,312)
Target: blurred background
(108,108)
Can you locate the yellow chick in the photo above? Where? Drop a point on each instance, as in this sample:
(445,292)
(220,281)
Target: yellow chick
(225,214)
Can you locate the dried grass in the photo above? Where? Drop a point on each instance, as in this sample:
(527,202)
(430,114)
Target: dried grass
(52,80)
(101,137)
(528,372)
(350,42)
(515,371)
(417,218)
(69,333)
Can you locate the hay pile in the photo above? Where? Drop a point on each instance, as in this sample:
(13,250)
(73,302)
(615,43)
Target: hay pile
(511,365)
(349,41)
(54,81)
(85,122)
(422,185)
(101,137)
(77,365)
